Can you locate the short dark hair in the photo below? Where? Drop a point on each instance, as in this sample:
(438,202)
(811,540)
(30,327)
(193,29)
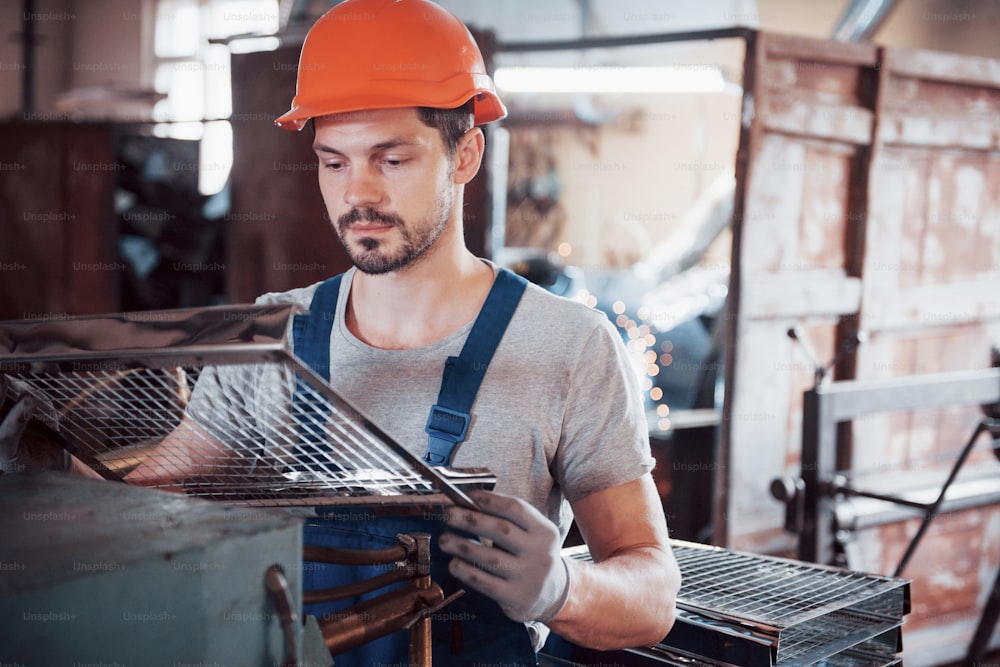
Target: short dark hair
(451,123)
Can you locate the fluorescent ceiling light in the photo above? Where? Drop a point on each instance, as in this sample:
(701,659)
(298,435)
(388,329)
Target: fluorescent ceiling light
(665,79)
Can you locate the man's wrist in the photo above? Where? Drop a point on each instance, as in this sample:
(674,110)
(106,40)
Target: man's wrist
(560,601)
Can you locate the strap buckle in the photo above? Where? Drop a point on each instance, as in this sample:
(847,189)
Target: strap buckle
(446,428)
(447,424)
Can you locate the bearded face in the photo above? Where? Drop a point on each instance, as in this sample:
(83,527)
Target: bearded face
(379,242)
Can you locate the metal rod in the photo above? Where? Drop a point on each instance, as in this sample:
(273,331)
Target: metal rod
(318,554)
(988,621)
(974,494)
(281,596)
(936,506)
(629,40)
(848,491)
(377,617)
(357,588)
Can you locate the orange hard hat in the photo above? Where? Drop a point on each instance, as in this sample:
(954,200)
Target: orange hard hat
(388,54)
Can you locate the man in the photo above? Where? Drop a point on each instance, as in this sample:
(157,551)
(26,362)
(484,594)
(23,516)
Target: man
(395,91)
(557,415)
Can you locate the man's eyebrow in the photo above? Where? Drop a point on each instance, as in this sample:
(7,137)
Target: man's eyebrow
(381,146)
(393,143)
(322,148)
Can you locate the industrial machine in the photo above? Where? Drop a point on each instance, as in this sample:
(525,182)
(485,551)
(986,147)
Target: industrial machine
(100,573)
(826,508)
(210,403)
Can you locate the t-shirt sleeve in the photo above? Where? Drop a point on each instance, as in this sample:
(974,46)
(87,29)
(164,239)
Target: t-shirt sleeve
(605,439)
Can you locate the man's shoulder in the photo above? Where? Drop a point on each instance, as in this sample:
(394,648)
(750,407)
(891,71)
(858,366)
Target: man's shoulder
(559,311)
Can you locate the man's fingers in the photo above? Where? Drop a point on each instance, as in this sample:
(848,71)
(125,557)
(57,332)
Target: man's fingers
(486,569)
(17,419)
(13,425)
(513,509)
(501,532)
(473,577)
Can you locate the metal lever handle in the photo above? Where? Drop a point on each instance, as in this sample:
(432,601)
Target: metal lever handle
(281,595)
(429,611)
(791,491)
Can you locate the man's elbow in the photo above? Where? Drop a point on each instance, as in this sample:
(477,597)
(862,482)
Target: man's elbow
(664,614)
(652,612)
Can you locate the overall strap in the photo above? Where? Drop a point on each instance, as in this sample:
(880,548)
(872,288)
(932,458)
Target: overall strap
(311,331)
(448,422)
(311,343)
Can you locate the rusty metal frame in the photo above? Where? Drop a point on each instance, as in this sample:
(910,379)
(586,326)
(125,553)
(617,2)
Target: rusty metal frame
(827,406)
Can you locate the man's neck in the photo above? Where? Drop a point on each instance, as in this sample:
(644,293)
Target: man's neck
(420,304)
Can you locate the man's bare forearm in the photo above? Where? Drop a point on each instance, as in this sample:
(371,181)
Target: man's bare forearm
(187,451)
(625,601)
(626,596)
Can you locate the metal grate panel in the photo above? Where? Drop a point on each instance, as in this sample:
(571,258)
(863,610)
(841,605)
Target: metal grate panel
(772,592)
(213,401)
(752,610)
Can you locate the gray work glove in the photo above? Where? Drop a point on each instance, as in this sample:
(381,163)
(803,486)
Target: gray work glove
(516,561)
(23,447)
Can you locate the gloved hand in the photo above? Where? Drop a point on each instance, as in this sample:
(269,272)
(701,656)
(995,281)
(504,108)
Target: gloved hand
(516,562)
(21,447)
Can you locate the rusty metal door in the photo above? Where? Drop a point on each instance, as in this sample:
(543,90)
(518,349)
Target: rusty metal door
(868,202)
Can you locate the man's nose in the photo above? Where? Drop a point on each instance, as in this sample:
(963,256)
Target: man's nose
(363,188)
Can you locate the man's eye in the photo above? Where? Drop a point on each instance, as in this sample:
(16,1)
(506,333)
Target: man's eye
(335,166)
(394,162)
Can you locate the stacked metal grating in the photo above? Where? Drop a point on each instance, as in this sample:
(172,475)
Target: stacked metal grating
(757,611)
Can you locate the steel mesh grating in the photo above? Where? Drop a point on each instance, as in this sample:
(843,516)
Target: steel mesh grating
(770,591)
(224,412)
(739,608)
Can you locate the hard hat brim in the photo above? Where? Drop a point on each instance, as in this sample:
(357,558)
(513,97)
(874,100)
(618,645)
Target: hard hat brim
(487,108)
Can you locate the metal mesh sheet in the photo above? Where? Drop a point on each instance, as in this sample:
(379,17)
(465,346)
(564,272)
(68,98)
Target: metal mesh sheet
(220,408)
(774,592)
(747,609)
(819,638)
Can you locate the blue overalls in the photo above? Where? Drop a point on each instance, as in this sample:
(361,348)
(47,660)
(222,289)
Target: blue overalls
(472,630)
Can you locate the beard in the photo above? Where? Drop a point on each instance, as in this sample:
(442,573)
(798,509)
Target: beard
(371,255)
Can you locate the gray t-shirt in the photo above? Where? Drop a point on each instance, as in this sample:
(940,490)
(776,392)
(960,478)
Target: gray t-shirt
(558,416)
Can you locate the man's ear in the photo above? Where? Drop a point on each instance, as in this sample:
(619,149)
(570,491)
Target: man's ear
(468,156)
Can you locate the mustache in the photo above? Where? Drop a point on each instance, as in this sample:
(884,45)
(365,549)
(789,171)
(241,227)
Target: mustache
(368,215)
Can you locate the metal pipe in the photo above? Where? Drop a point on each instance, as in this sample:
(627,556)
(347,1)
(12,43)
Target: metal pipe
(861,19)
(630,40)
(358,587)
(421,646)
(375,618)
(280,594)
(318,554)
